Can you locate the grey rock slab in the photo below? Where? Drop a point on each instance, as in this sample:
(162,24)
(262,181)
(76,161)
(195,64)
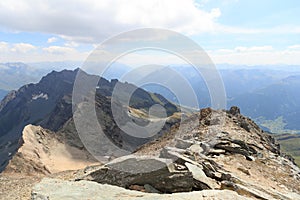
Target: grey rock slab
(132,170)
(241,189)
(183,144)
(199,175)
(176,157)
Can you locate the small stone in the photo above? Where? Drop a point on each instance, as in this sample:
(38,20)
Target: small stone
(150,189)
(250,158)
(196,148)
(245,171)
(137,188)
(183,144)
(234,110)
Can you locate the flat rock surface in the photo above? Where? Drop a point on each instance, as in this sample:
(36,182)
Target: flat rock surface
(55,189)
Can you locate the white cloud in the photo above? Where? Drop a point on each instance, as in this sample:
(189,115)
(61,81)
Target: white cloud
(22,47)
(52,39)
(23,52)
(296,46)
(71,44)
(94,20)
(4,46)
(256,55)
(253,49)
(58,50)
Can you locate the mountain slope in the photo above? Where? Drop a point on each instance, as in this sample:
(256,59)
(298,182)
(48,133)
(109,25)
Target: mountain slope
(221,153)
(270,103)
(290,144)
(49,104)
(45,152)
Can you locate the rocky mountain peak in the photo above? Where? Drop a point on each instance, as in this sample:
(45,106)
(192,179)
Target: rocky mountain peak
(48,104)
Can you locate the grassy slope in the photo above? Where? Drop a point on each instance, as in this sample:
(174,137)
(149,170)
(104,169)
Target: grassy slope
(290,144)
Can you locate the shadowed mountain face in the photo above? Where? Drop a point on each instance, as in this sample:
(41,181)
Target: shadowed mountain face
(49,104)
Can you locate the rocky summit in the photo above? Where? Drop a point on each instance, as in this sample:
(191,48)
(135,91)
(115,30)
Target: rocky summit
(213,154)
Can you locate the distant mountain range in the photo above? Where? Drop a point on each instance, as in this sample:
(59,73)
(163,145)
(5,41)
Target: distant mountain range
(279,101)
(270,97)
(267,95)
(14,75)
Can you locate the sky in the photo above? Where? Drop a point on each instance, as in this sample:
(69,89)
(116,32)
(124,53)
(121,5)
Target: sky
(241,32)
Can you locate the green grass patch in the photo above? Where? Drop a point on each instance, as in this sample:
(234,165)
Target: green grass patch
(290,144)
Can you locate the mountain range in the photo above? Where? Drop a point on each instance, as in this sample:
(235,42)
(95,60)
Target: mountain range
(256,90)
(269,96)
(278,100)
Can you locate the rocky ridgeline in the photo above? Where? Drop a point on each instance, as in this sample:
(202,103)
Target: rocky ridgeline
(213,155)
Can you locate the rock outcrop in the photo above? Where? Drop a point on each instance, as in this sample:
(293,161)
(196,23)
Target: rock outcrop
(159,173)
(225,151)
(43,152)
(55,189)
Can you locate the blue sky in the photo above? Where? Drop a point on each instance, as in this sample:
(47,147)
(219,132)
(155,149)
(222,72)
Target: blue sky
(251,32)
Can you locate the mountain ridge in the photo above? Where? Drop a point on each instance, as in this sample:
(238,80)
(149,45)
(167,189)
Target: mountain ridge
(49,104)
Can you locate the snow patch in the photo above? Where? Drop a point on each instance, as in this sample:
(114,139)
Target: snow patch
(38,96)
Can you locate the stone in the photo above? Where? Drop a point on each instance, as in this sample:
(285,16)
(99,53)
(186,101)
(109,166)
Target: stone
(148,188)
(199,175)
(216,151)
(246,191)
(137,188)
(176,157)
(132,170)
(206,148)
(205,112)
(183,144)
(244,170)
(55,189)
(196,148)
(234,110)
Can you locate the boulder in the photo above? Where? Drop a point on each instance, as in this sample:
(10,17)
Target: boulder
(234,110)
(199,175)
(160,173)
(205,112)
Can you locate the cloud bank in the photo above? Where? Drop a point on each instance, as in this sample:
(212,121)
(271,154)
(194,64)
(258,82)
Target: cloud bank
(93,20)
